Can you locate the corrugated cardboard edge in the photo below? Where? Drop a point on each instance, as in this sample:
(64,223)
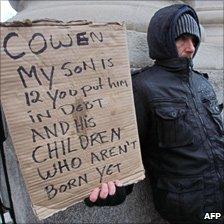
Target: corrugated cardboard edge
(53,22)
(49,211)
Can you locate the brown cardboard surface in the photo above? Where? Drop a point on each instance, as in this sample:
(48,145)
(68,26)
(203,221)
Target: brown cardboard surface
(67,95)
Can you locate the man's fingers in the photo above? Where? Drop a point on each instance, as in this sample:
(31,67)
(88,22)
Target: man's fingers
(106,188)
(104,191)
(94,194)
(111,188)
(118,183)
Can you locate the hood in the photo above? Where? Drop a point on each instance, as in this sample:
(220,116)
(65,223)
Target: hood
(161,30)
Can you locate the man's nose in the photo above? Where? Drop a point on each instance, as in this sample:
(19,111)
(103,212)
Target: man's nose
(190,45)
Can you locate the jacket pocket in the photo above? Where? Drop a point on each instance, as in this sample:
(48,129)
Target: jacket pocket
(180,198)
(214,110)
(172,127)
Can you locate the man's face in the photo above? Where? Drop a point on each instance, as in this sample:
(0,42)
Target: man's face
(185,45)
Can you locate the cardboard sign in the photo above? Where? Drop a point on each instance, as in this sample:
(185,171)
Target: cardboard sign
(67,95)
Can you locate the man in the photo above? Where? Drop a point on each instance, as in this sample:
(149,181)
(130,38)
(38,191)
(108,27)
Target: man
(179,122)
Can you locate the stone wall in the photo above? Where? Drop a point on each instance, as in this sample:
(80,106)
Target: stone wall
(138,208)
(210,14)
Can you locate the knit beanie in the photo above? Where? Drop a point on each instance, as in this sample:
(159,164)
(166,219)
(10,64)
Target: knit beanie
(187,25)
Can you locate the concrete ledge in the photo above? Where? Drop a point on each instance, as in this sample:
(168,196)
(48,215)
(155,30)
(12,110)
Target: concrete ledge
(136,14)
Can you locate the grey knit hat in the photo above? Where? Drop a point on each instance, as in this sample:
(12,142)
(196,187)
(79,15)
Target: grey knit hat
(187,25)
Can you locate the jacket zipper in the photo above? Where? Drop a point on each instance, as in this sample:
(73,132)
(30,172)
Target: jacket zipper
(203,125)
(174,100)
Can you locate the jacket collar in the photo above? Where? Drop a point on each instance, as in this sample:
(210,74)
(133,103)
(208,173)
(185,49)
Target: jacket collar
(182,65)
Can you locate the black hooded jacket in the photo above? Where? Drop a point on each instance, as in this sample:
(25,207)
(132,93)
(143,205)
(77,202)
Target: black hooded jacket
(180,127)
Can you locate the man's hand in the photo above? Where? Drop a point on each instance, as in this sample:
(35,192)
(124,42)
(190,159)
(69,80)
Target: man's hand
(105,190)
